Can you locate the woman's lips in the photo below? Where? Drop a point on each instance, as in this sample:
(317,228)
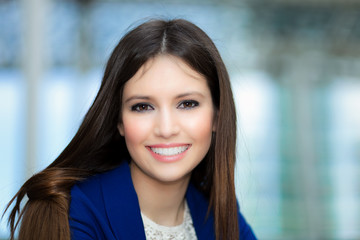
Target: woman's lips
(168,152)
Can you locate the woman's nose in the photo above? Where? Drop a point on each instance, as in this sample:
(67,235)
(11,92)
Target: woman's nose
(166,124)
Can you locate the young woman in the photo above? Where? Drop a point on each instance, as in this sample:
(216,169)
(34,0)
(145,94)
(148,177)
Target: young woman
(154,157)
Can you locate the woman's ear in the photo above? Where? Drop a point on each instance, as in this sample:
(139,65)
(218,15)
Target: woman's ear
(120,127)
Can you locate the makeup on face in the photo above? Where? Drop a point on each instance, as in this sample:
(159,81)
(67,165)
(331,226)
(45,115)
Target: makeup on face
(167,119)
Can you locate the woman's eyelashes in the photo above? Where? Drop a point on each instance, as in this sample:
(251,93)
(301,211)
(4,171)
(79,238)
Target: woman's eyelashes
(188,104)
(144,107)
(141,107)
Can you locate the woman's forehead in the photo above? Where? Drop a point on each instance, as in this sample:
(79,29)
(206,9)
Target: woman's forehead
(164,74)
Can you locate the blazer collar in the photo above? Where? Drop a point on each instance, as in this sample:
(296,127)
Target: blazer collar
(122,207)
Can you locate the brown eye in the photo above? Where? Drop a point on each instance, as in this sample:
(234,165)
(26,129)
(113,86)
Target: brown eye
(141,107)
(188,104)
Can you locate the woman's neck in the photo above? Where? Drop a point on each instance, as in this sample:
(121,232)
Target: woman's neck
(162,202)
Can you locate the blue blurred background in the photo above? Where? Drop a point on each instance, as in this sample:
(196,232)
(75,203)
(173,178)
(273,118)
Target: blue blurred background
(295,70)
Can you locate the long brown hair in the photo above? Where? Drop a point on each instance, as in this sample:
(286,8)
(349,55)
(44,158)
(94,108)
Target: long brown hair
(98,147)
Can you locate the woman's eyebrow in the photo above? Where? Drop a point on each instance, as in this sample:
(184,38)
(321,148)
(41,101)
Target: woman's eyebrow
(190,94)
(137,97)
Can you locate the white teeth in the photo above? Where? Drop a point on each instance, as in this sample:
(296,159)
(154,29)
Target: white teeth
(169,151)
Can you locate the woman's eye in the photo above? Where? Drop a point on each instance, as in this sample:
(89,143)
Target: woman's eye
(188,104)
(141,107)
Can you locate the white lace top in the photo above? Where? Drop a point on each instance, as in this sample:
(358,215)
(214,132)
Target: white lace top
(184,231)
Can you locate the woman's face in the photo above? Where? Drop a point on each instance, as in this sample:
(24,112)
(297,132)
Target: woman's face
(167,119)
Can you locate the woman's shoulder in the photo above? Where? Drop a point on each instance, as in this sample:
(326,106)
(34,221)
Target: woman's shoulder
(91,194)
(87,196)
(92,186)
(245,230)
(203,220)
(104,205)
(87,213)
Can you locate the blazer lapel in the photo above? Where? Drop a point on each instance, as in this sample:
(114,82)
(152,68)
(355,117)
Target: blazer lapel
(122,205)
(198,205)
(123,211)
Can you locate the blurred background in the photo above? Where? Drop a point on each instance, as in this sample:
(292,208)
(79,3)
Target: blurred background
(295,70)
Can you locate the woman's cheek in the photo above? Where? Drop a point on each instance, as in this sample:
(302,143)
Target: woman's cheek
(200,125)
(136,128)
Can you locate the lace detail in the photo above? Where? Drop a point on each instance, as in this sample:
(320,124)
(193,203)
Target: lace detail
(184,231)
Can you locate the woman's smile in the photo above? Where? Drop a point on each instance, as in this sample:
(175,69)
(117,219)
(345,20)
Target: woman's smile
(168,152)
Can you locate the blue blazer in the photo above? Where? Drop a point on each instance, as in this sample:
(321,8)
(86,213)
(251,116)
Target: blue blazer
(106,206)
